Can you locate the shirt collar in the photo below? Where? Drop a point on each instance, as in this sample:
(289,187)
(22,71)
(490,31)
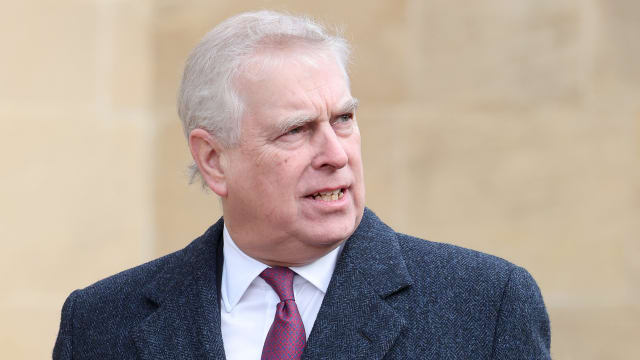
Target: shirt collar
(319,272)
(239,271)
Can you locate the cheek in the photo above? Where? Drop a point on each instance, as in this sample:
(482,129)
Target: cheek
(277,169)
(354,153)
(353,143)
(271,164)
(262,159)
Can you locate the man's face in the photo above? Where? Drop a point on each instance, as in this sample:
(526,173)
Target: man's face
(295,181)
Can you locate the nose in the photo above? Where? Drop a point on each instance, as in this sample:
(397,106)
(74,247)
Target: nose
(330,151)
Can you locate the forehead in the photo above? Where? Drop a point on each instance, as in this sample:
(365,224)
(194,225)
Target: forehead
(289,80)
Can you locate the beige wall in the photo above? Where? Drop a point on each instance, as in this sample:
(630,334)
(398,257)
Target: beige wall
(510,127)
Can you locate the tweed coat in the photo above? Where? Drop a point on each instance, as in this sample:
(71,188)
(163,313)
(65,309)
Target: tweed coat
(391,296)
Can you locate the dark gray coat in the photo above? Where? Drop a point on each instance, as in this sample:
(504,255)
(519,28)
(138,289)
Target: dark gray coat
(391,296)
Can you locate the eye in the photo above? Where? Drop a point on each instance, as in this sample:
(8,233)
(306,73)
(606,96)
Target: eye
(345,117)
(294,131)
(343,120)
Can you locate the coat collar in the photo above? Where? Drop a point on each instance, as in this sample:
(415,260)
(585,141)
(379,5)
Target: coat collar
(360,315)
(186,323)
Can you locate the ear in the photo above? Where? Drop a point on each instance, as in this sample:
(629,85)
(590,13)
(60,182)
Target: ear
(208,155)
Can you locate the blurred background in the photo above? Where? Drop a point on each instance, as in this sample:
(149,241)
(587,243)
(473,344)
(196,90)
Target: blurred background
(510,127)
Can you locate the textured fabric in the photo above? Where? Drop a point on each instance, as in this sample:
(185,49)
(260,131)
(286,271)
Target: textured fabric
(391,296)
(286,337)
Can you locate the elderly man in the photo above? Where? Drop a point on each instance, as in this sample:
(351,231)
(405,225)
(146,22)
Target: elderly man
(298,268)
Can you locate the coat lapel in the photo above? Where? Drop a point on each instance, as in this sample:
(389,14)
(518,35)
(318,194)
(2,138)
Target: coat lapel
(360,317)
(186,323)
(361,314)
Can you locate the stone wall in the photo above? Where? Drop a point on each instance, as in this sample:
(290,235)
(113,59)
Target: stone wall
(507,127)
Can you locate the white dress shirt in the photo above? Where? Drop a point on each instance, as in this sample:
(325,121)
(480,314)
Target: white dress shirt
(249,303)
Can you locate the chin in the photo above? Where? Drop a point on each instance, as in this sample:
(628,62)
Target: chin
(322,237)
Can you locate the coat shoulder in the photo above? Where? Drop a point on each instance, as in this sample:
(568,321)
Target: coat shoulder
(103,315)
(473,301)
(130,282)
(451,258)
(460,303)
(454,272)
(101,320)
(114,305)
(171,268)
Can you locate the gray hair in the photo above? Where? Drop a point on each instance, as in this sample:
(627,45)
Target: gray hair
(208,98)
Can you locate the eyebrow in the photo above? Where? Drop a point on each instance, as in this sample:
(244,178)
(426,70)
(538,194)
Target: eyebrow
(349,106)
(295,121)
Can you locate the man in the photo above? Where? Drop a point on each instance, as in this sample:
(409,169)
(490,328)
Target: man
(298,268)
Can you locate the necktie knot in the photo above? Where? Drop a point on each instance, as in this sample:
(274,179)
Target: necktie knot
(281,280)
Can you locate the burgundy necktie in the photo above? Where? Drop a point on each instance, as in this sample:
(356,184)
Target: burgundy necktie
(286,337)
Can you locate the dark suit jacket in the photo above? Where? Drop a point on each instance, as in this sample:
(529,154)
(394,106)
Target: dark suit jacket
(391,296)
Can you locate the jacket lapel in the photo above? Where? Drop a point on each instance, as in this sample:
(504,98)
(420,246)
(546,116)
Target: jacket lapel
(361,314)
(186,323)
(360,317)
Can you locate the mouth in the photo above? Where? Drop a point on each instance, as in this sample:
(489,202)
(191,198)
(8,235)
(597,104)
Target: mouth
(328,196)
